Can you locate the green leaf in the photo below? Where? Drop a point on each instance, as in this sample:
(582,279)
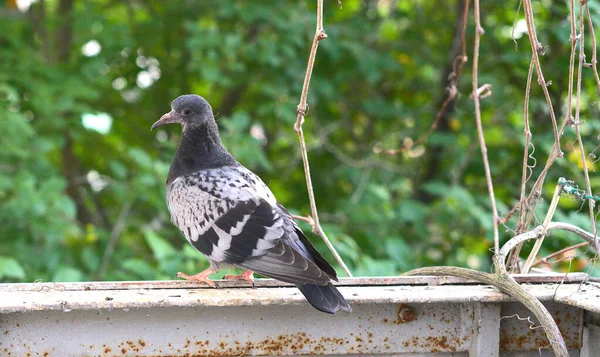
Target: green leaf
(372,267)
(90,259)
(160,247)
(10,268)
(139,267)
(401,253)
(412,211)
(347,247)
(118,169)
(140,157)
(8,93)
(381,192)
(436,188)
(67,274)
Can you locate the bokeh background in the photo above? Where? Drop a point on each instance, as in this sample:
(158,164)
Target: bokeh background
(82,176)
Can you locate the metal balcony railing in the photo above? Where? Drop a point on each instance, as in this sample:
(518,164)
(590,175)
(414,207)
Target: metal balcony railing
(399,316)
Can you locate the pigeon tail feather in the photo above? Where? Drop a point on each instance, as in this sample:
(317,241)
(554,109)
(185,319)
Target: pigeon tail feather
(326,298)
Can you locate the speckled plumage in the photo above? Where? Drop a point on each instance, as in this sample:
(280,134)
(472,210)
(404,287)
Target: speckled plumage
(201,201)
(228,213)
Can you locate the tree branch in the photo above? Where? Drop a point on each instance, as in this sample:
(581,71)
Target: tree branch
(114,238)
(64,34)
(592,239)
(539,231)
(545,260)
(451,74)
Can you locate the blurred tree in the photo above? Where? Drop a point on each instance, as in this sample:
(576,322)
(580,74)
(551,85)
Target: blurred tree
(82,177)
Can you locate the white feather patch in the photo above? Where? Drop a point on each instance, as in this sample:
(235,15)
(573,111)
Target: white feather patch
(217,254)
(194,233)
(264,244)
(224,242)
(239,226)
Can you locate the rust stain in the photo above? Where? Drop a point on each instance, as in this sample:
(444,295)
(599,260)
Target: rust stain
(519,342)
(360,342)
(299,343)
(521,337)
(405,314)
(434,343)
(534,340)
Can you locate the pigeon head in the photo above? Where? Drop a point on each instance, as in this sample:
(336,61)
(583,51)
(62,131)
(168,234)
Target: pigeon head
(189,110)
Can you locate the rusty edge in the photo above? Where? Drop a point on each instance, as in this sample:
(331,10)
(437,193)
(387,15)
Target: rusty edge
(111,295)
(125,299)
(270,283)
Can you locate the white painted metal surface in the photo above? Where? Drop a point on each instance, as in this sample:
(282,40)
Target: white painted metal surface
(486,322)
(591,335)
(430,317)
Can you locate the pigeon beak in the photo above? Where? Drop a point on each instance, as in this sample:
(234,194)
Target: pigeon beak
(170,117)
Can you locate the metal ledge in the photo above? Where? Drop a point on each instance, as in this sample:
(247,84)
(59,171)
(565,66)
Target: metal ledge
(407,316)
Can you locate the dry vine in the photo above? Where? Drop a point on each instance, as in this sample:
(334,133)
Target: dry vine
(505,283)
(476,95)
(546,259)
(302,110)
(527,205)
(501,278)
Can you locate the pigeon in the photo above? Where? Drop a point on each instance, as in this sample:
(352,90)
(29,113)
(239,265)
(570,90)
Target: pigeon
(229,214)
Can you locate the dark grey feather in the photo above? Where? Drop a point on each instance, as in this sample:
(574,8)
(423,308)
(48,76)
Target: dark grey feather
(286,264)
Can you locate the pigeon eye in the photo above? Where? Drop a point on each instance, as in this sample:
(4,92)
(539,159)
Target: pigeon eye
(187,111)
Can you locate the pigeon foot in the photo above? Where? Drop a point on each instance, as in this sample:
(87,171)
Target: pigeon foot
(248,276)
(202,276)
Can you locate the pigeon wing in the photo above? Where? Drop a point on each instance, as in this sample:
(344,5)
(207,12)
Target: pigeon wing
(233,218)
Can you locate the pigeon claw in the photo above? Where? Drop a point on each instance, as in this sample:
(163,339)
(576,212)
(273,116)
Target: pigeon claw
(248,276)
(203,277)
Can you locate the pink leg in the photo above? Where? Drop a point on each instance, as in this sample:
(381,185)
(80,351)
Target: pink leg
(202,276)
(248,276)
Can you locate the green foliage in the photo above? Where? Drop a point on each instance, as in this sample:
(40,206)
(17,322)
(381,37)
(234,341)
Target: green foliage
(68,187)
